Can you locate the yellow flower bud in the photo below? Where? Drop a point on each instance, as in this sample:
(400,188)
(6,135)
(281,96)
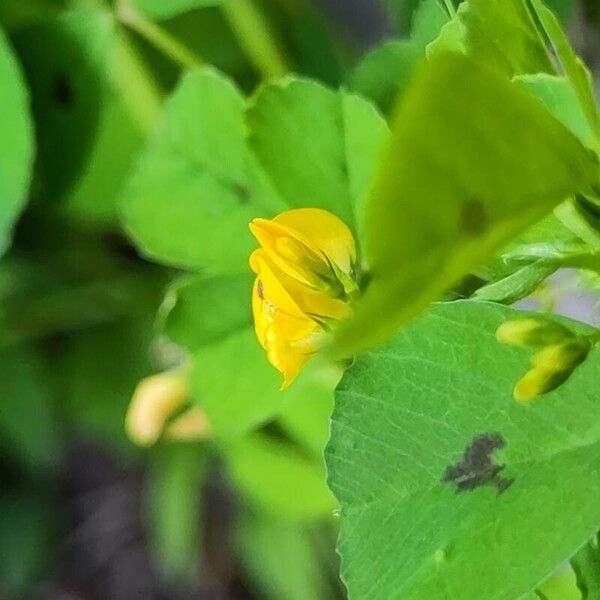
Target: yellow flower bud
(532,331)
(305,280)
(154,401)
(562,357)
(538,381)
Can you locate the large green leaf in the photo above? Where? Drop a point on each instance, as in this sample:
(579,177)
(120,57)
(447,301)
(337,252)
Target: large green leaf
(451,191)
(497,33)
(417,525)
(16,133)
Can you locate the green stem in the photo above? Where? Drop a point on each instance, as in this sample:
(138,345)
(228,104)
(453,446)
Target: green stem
(138,90)
(156,36)
(254,35)
(450,7)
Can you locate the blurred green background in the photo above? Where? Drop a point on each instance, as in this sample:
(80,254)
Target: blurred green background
(85,513)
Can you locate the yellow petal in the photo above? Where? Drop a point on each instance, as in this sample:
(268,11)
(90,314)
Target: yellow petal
(155,399)
(323,232)
(292,255)
(281,291)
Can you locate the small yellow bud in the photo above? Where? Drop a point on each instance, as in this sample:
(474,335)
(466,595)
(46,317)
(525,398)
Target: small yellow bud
(155,399)
(532,331)
(538,381)
(562,357)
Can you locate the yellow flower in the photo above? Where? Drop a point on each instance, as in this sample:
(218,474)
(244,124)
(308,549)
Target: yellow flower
(305,280)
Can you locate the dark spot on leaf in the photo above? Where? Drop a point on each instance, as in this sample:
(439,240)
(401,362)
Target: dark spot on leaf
(260,290)
(62,91)
(242,193)
(473,218)
(476,468)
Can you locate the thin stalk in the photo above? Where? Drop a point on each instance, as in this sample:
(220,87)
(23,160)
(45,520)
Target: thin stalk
(139,92)
(450,7)
(256,37)
(157,36)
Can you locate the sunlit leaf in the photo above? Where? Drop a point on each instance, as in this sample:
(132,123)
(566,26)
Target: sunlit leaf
(451,192)
(407,414)
(498,33)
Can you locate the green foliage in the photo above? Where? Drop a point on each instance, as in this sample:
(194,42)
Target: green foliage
(16,133)
(171,125)
(371,77)
(407,412)
(490,185)
(498,33)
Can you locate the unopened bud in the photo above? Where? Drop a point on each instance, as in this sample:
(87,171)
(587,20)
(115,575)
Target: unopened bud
(532,331)
(155,399)
(538,381)
(562,357)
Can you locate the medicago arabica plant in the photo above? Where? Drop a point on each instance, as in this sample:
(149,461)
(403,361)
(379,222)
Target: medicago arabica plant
(394,224)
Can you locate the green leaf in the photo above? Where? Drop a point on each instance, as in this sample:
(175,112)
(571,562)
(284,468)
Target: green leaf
(573,67)
(68,86)
(196,186)
(317,147)
(407,413)
(485,185)
(16,133)
(200,183)
(239,390)
(198,311)
(561,100)
(384,73)
(276,478)
(427,22)
(165,9)
(497,33)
